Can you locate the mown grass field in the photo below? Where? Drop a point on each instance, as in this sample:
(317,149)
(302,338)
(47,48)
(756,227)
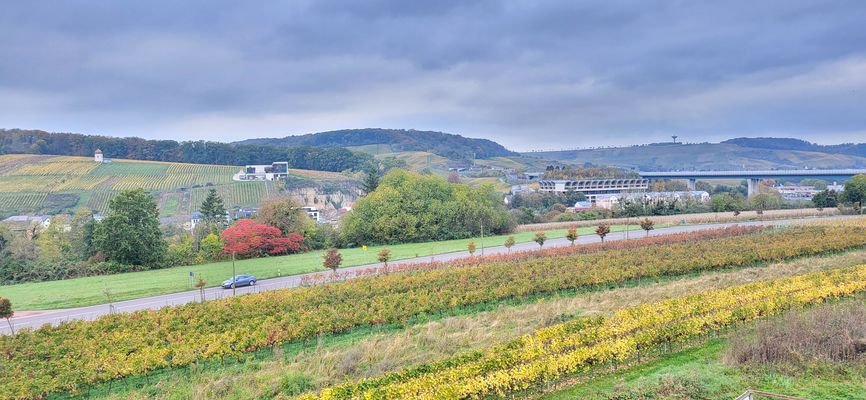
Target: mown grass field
(91,290)
(54,184)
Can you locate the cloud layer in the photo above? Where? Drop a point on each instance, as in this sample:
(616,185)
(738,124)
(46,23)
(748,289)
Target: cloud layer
(528,74)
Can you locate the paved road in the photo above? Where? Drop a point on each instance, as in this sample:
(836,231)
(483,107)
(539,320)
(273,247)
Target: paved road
(155,302)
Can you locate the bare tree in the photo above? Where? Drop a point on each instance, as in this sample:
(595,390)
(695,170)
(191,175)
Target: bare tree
(200,284)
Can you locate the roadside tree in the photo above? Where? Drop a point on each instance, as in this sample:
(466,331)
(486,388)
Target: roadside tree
(509,241)
(332,259)
(540,238)
(6,312)
(647,225)
(384,256)
(602,231)
(572,235)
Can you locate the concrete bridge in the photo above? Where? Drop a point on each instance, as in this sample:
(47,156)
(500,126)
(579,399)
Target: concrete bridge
(753,177)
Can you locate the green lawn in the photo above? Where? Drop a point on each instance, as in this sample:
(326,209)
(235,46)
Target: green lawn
(91,290)
(699,373)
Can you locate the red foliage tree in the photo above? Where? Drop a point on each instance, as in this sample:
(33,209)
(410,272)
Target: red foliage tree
(248,238)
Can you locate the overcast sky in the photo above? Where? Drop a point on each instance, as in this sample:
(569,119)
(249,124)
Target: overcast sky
(528,74)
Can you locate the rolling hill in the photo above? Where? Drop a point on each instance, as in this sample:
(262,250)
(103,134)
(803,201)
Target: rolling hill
(399,140)
(742,153)
(32,184)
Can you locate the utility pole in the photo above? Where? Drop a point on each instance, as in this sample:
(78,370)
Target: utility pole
(234,275)
(627,226)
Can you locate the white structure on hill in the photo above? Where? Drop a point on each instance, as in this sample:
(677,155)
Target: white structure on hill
(277,170)
(97,156)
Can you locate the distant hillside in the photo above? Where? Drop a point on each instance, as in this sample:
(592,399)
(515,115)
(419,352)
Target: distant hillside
(443,144)
(740,153)
(20,141)
(36,184)
(851,149)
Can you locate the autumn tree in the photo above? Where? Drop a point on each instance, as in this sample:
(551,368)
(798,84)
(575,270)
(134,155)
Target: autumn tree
(6,312)
(509,241)
(602,231)
(471,247)
(647,225)
(211,247)
(384,256)
(572,235)
(130,233)
(247,238)
(540,238)
(200,285)
(286,215)
(332,259)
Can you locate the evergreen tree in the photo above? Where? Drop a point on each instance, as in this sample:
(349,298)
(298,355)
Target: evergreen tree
(213,210)
(130,233)
(371,179)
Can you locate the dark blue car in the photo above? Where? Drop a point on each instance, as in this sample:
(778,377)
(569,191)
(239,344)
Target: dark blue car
(238,281)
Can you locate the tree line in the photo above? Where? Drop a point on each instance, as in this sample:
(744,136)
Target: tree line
(334,159)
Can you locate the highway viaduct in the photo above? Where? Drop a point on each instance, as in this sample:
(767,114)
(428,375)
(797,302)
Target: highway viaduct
(753,177)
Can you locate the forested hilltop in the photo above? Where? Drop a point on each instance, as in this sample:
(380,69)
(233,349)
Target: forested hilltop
(443,144)
(18,141)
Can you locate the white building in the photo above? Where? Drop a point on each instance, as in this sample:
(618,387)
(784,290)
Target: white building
(313,212)
(97,156)
(592,188)
(277,170)
(792,192)
(609,201)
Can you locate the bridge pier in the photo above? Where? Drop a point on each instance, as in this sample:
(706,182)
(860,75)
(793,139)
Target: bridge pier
(753,186)
(692,184)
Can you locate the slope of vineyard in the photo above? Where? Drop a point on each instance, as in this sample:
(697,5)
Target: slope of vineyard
(575,346)
(26,181)
(71,355)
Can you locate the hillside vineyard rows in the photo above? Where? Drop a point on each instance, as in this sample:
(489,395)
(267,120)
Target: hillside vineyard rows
(575,346)
(27,180)
(68,357)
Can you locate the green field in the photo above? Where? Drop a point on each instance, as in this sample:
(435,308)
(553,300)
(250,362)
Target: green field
(91,290)
(31,184)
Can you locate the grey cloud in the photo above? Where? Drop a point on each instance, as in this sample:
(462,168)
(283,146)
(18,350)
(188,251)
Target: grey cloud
(528,74)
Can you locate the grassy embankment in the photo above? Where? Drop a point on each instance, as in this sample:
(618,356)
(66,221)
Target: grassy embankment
(364,353)
(91,290)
